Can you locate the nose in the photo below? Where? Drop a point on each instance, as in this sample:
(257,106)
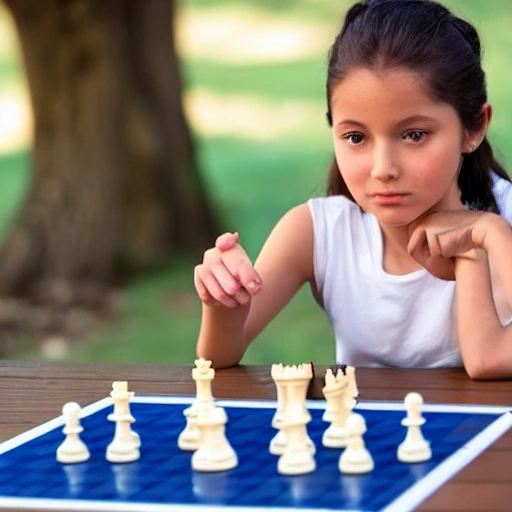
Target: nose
(384,166)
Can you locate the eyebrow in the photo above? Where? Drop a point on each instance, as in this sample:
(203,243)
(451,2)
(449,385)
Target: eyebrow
(350,121)
(419,118)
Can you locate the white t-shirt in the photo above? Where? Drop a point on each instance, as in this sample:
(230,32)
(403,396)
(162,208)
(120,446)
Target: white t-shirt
(380,319)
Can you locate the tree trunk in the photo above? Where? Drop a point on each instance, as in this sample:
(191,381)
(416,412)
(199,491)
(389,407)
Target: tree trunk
(115,183)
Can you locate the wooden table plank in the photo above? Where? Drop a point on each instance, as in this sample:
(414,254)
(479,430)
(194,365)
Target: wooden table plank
(469,497)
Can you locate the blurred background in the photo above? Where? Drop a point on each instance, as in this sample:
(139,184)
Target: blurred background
(132,133)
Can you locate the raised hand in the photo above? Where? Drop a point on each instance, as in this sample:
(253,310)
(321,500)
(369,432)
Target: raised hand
(226,277)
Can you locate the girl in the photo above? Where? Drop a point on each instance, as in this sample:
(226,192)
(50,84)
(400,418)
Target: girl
(410,253)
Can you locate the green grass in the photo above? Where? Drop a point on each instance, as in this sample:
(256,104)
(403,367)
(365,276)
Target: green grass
(302,79)
(252,183)
(13,184)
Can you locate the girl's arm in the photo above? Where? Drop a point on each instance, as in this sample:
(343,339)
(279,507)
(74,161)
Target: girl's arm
(235,315)
(484,300)
(478,247)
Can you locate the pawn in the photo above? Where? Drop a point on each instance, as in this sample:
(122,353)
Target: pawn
(122,448)
(190,438)
(414,448)
(356,459)
(125,444)
(203,375)
(214,452)
(338,409)
(121,398)
(73,449)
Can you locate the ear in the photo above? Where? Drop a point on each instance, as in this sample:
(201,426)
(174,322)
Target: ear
(473,139)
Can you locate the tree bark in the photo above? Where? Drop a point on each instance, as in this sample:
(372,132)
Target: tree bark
(115,183)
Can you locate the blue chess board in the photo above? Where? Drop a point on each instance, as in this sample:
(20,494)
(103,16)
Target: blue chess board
(162,479)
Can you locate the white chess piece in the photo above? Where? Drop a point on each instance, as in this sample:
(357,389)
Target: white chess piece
(356,459)
(278,442)
(414,448)
(125,445)
(291,384)
(337,392)
(121,397)
(297,458)
(214,452)
(203,374)
(73,449)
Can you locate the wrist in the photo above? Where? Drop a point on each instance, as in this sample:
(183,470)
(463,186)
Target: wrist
(489,230)
(477,255)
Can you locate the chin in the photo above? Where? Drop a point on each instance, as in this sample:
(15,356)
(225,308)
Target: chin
(395,221)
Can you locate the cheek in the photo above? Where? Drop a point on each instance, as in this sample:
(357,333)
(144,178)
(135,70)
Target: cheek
(440,167)
(355,174)
(353,165)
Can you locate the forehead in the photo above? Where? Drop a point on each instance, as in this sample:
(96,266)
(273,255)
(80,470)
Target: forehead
(397,92)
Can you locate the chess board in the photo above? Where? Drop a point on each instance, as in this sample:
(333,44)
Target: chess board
(162,479)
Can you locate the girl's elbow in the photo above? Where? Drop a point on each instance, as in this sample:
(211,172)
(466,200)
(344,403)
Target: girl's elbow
(219,360)
(478,371)
(488,368)
(488,356)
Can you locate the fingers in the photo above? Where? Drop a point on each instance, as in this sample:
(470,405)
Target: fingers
(417,246)
(226,241)
(448,242)
(451,233)
(226,277)
(212,292)
(455,242)
(203,290)
(230,285)
(423,245)
(237,262)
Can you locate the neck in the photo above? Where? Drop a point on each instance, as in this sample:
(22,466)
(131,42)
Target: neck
(395,259)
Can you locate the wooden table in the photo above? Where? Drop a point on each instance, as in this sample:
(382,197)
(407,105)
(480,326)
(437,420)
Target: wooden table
(32,393)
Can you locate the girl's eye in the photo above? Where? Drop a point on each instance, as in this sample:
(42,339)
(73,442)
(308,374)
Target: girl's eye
(415,135)
(354,138)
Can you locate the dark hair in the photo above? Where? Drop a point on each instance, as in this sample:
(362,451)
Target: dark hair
(424,36)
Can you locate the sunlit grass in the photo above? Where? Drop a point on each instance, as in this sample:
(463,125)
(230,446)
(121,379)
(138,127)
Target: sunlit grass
(246,35)
(257,118)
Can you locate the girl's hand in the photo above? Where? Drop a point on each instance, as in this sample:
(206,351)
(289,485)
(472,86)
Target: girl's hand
(436,239)
(226,277)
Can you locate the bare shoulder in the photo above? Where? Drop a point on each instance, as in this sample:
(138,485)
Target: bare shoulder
(298,216)
(290,243)
(296,228)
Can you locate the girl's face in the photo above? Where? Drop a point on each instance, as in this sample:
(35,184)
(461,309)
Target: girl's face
(398,150)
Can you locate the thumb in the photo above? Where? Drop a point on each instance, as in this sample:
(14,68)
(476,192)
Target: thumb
(249,278)
(226,241)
